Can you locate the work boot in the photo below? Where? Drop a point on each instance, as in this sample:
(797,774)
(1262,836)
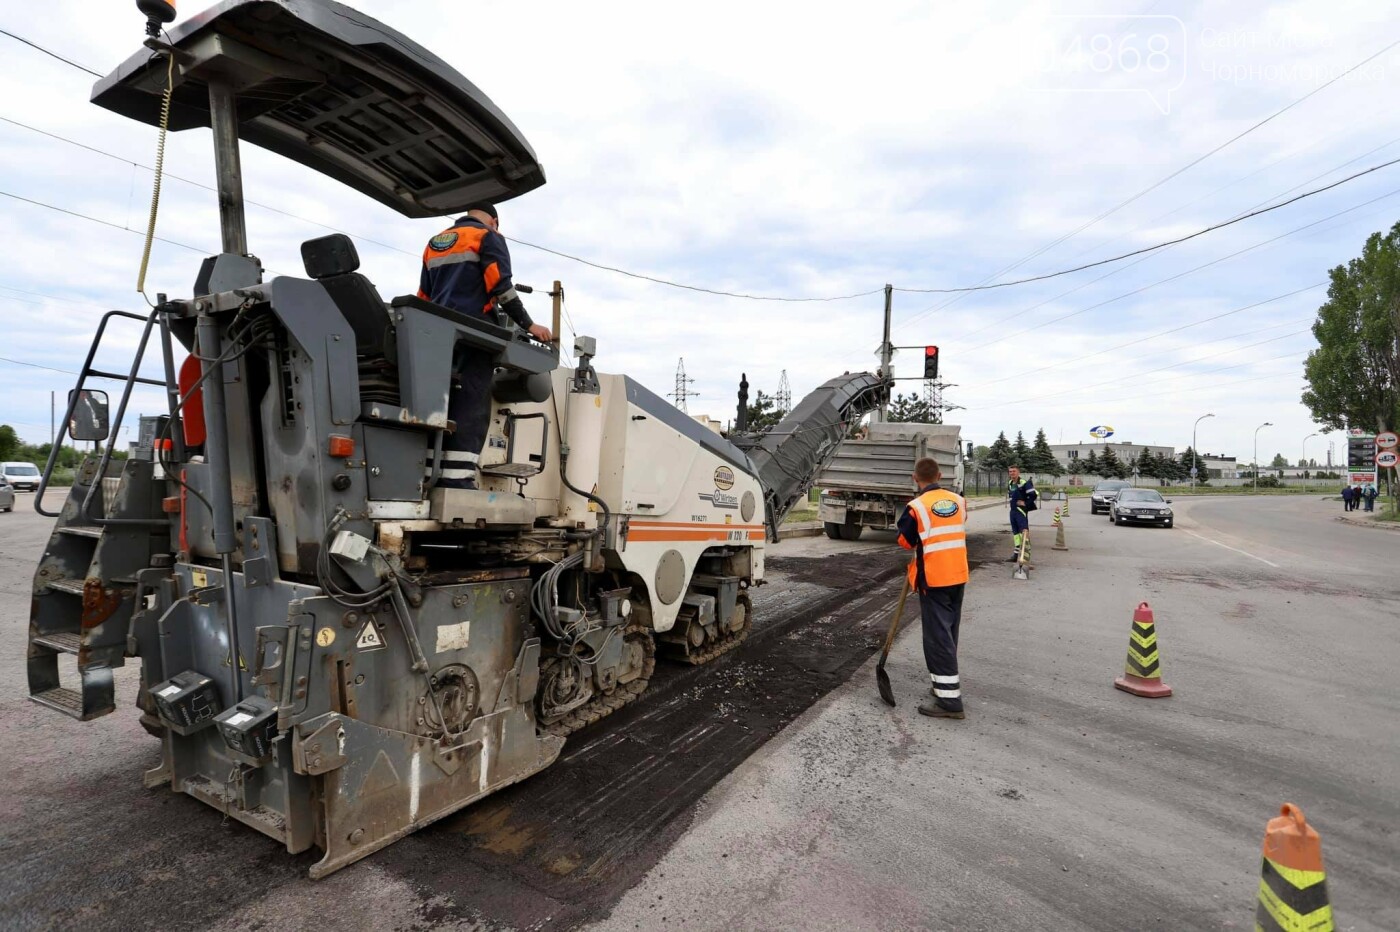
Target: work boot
(1015,555)
(933,708)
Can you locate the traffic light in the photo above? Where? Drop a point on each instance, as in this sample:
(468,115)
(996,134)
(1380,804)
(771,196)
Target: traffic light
(930,362)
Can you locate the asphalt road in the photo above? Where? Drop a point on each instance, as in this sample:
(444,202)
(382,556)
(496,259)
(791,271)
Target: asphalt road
(775,791)
(1062,803)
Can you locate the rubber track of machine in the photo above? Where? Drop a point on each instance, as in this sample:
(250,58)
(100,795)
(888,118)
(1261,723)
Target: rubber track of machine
(727,643)
(608,703)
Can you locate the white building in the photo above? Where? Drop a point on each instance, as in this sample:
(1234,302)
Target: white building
(1067,453)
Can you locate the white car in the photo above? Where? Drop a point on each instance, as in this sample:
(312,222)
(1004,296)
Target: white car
(22,477)
(1140,506)
(7,496)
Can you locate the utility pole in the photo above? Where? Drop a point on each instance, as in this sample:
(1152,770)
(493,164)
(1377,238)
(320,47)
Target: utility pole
(683,384)
(886,350)
(52,423)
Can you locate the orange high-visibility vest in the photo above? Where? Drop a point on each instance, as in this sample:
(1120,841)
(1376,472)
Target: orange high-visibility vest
(942,517)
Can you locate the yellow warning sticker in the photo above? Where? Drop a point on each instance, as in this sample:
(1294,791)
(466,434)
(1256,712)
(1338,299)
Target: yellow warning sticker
(325,637)
(198,578)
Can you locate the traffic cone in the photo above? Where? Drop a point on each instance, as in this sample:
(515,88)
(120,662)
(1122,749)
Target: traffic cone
(1059,532)
(1143,674)
(1293,885)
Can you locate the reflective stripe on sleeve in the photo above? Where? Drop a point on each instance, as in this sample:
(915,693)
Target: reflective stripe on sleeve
(452,258)
(507,296)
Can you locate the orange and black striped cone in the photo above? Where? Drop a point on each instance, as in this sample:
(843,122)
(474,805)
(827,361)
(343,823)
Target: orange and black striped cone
(1293,886)
(1143,674)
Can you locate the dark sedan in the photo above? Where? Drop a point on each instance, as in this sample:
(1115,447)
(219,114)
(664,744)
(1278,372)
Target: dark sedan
(1104,494)
(1140,506)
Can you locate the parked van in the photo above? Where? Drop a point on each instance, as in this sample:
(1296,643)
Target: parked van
(22,477)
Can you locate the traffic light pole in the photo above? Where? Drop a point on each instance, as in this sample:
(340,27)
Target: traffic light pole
(886,351)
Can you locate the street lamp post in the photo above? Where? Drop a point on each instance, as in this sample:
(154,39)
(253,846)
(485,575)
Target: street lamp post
(1303,463)
(1195,452)
(1256,452)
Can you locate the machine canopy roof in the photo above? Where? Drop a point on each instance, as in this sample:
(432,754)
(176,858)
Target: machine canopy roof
(337,91)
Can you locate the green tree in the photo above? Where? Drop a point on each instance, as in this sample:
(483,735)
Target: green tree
(1042,458)
(1164,467)
(9,442)
(1110,466)
(1000,455)
(1021,452)
(1278,462)
(1145,465)
(1354,374)
(980,453)
(1077,467)
(911,409)
(1091,464)
(763,413)
(1188,456)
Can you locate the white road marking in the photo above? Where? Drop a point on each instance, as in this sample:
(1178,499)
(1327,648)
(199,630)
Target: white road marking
(1228,547)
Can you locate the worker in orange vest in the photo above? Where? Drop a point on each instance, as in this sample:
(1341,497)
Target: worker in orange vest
(934,526)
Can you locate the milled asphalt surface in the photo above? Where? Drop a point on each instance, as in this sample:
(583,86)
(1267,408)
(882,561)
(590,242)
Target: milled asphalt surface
(1062,803)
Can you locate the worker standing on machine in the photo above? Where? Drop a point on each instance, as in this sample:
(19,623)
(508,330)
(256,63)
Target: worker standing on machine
(1021,495)
(467,268)
(934,526)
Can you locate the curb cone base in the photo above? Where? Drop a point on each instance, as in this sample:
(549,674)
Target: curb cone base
(1142,686)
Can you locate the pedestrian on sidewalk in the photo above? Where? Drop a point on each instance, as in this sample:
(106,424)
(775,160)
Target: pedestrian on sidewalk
(1021,495)
(1371,494)
(934,526)
(1347,496)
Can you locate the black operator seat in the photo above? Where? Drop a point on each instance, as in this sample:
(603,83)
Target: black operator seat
(333,261)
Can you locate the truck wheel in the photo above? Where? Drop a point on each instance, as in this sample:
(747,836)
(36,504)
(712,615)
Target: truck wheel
(833,530)
(851,531)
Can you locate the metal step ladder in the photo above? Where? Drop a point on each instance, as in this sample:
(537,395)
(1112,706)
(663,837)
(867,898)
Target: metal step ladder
(85,588)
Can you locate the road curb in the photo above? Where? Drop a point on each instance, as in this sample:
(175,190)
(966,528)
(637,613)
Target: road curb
(1368,522)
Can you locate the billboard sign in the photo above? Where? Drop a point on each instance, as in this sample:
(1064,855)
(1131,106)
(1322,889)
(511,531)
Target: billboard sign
(1103,432)
(1361,458)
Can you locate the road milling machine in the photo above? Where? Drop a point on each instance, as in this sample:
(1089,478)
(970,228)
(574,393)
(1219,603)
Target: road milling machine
(335,650)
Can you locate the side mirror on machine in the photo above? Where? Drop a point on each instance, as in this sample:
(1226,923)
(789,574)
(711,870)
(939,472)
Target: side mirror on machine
(89,420)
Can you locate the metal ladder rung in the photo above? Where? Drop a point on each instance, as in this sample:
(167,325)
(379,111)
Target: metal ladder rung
(67,642)
(67,701)
(70,586)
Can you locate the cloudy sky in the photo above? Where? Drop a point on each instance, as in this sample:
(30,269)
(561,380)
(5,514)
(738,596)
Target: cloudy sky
(746,148)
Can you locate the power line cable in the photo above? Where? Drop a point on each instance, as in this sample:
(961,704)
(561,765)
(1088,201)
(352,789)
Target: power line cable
(1158,184)
(1119,271)
(1153,336)
(702,290)
(1162,245)
(51,54)
(1191,271)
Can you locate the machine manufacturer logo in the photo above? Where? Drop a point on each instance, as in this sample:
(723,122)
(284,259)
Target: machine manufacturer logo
(443,241)
(945,508)
(720,499)
(724,478)
(1103,431)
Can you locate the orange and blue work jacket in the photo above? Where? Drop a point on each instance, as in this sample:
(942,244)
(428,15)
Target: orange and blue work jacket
(934,525)
(467,268)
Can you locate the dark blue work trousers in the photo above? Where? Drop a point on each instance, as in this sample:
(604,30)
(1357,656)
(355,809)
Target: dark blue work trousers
(941,608)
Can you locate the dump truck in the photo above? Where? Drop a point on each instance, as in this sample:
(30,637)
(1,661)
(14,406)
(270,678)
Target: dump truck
(335,649)
(866,483)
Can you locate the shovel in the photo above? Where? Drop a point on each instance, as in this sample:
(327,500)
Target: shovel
(882,679)
(1020,572)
